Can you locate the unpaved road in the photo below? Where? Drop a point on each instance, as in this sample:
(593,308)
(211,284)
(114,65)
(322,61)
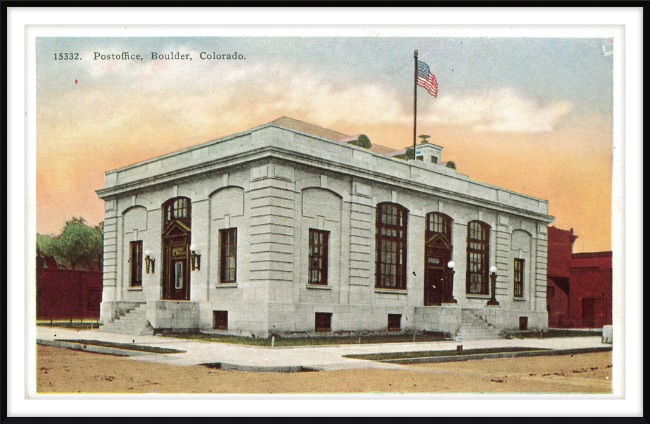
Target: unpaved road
(67,371)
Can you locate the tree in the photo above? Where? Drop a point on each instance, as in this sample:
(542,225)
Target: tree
(79,246)
(362,141)
(451,164)
(409,153)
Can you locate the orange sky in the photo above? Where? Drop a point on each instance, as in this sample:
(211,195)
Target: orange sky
(556,145)
(574,177)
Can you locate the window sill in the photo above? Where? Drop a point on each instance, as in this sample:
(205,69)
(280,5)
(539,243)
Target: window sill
(391,291)
(478,296)
(135,288)
(226,286)
(319,287)
(519,299)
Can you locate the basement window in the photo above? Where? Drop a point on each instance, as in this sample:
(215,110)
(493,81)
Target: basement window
(220,320)
(523,323)
(323,322)
(394,322)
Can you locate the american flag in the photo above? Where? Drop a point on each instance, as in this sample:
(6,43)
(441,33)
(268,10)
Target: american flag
(426,79)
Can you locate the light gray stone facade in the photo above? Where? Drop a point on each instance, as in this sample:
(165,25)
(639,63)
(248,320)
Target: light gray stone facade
(273,184)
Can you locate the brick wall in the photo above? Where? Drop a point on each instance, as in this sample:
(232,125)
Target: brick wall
(64,294)
(581,284)
(591,281)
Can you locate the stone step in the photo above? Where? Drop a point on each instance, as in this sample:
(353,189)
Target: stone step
(133,322)
(474,327)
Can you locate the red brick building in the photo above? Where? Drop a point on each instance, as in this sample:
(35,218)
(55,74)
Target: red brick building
(66,294)
(579,285)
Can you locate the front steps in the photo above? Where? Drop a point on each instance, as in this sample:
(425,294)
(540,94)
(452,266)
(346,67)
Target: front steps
(133,322)
(473,327)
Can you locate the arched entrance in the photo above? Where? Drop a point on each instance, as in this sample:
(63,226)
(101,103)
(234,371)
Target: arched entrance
(176,240)
(438,284)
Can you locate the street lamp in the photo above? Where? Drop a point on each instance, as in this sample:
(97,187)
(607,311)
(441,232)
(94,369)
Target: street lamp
(449,292)
(149,261)
(493,278)
(195,258)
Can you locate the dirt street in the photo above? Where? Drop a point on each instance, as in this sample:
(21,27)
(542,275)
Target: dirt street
(67,371)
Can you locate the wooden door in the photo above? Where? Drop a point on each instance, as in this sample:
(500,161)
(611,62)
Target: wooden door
(433,286)
(588,313)
(435,283)
(176,275)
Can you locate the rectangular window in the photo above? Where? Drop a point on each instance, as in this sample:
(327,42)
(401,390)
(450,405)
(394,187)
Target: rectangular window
(220,320)
(228,241)
(323,322)
(478,244)
(394,322)
(318,256)
(180,208)
(550,292)
(519,277)
(178,275)
(391,246)
(136,263)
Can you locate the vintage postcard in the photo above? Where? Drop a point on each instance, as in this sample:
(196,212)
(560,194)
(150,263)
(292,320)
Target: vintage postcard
(334,211)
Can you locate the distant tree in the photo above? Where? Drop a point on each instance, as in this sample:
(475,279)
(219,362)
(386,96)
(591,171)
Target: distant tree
(409,153)
(79,246)
(362,141)
(451,164)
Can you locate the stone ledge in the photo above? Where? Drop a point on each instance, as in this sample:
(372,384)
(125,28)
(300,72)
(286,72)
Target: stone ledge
(317,287)
(226,286)
(392,291)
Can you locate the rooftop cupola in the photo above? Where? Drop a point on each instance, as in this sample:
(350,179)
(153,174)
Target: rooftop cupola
(429,153)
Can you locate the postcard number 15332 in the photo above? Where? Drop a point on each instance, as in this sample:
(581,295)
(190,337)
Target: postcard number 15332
(66,56)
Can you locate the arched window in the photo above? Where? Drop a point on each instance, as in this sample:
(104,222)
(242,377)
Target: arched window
(391,246)
(478,248)
(438,223)
(177,209)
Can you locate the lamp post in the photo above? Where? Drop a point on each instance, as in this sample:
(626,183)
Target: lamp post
(149,261)
(449,289)
(493,280)
(195,258)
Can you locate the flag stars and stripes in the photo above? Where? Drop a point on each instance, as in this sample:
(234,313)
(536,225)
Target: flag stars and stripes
(426,79)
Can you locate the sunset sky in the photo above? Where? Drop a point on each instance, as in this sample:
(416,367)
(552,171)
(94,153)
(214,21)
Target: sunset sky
(532,115)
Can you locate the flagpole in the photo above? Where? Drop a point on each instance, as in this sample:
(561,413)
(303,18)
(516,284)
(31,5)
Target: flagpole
(415,101)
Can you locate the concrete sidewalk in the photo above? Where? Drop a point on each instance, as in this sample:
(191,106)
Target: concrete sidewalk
(325,358)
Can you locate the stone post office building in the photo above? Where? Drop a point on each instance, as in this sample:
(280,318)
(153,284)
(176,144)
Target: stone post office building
(288,229)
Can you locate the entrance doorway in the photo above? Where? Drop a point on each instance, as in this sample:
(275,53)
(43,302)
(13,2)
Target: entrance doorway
(433,287)
(176,276)
(176,249)
(438,279)
(435,278)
